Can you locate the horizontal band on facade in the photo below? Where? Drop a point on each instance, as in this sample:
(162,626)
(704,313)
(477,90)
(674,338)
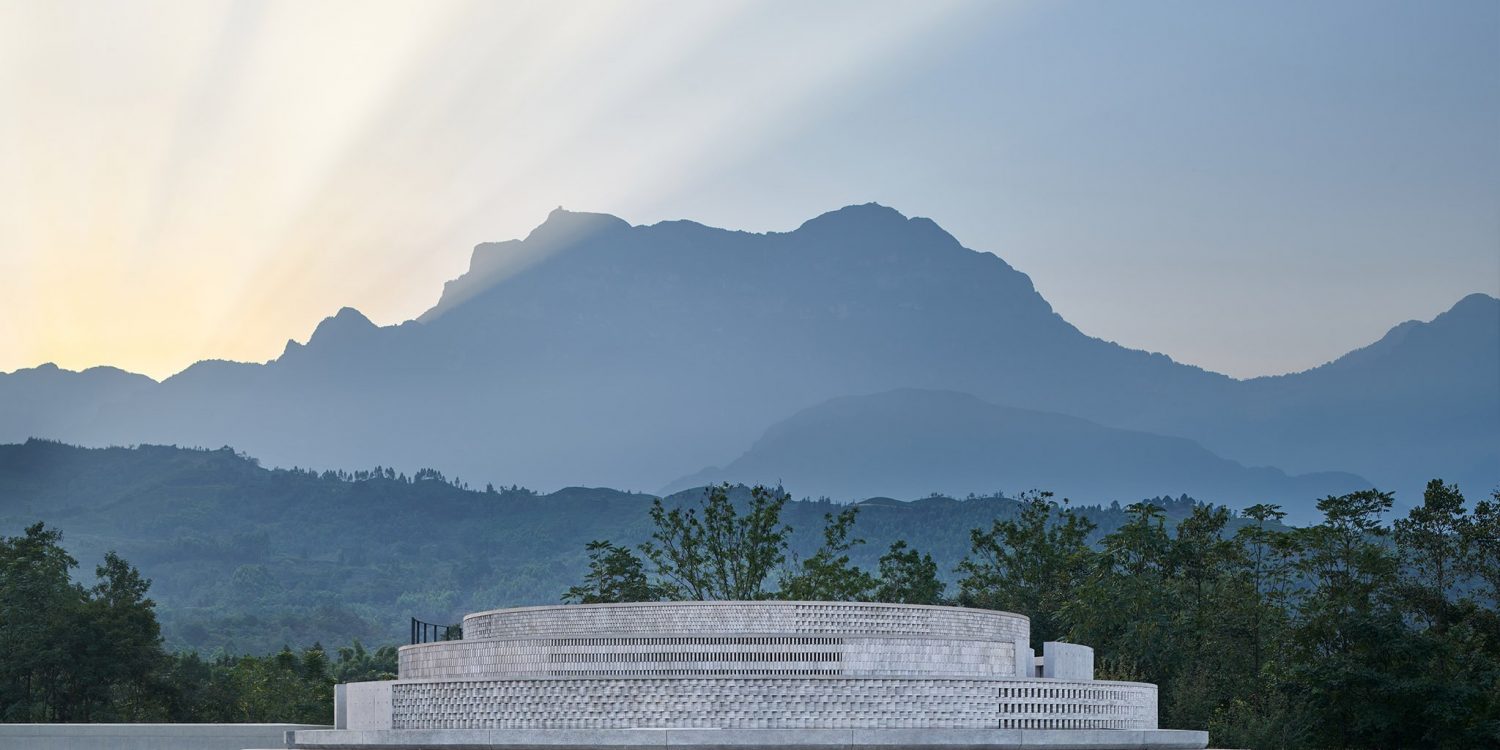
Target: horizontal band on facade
(905,656)
(718,618)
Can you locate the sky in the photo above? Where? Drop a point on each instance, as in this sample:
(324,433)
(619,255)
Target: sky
(1252,187)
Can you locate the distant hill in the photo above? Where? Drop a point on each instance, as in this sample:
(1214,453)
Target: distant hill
(246,559)
(601,353)
(910,442)
(1424,400)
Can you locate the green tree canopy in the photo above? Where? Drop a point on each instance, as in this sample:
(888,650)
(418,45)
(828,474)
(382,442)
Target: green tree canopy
(616,574)
(908,577)
(713,552)
(828,575)
(1032,564)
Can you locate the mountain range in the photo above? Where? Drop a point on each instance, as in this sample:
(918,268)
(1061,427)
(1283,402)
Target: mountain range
(595,352)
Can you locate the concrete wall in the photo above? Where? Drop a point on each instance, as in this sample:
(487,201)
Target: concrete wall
(1025,659)
(717,618)
(1067,661)
(362,705)
(146,736)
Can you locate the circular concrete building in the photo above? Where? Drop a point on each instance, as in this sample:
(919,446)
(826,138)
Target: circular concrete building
(746,674)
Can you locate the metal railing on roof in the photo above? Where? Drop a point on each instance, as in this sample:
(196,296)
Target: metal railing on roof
(427,632)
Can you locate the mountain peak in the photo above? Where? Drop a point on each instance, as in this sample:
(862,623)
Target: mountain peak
(863,214)
(493,261)
(874,225)
(1477,303)
(345,322)
(563,225)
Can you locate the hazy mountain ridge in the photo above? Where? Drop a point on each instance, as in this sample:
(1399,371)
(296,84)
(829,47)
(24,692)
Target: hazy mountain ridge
(910,442)
(1428,392)
(1474,310)
(601,353)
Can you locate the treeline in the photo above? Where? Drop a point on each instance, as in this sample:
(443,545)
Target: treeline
(244,559)
(1351,633)
(74,653)
(389,474)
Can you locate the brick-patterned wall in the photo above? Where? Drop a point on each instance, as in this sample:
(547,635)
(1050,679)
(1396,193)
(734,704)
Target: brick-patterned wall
(1067,704)
(773,703)
(713,618)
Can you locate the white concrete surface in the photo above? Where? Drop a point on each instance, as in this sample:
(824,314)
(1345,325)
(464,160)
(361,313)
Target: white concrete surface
(363,705)
(1067,661)
(146,736)
(1021,650)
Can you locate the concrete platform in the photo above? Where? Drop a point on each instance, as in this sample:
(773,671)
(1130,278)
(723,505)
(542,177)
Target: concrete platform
(749,739)
(146,736)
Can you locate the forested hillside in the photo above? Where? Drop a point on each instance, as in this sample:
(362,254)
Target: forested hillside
(247,559)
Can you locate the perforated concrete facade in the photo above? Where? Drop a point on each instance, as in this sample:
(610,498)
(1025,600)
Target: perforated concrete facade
(748,667)
(772,703)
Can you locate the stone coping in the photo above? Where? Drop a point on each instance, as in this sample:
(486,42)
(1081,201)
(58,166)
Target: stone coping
(741,602)
(750,739)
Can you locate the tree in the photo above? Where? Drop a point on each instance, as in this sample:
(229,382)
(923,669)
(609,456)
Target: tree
(1212,663)
(38,604)
(1344,556)
(191,689)
(1126,602)
(828,575)
(72,654)
(1481,545)
(615,574)
(1266,567)
(1430,539)
(1254,622)
(1349,642)
(284,687)
(119,622)
(908,578)
(356,664)
(714,553)
(1032,564)
(1454,660)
